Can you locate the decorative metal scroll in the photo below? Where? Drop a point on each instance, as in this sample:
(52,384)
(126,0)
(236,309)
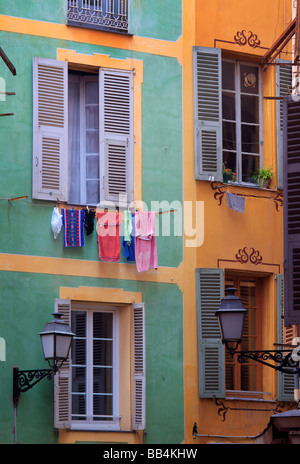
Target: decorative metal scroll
(285,362)
(219,195)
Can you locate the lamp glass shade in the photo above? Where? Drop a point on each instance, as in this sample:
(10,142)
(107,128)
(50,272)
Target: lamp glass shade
(56,339)
(231,325)
(231,316)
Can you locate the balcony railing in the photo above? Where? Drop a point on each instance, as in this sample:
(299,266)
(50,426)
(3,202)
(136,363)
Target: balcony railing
(111,15)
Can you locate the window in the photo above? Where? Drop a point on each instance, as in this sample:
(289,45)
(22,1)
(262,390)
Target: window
(95,366)
(228,116)
(245,376)
(85,158)
(111,15)
(101,387)
(218,373)
(241,118)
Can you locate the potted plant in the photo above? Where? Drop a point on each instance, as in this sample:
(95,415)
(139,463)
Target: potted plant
(228,175)
(263,177)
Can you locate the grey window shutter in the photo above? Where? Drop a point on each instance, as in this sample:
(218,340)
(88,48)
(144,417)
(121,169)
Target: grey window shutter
(291,209)
(62,379)
(211,358)
(116,136)
(208,113)
(50,142)
(285,385)
(139,367)
(283,88)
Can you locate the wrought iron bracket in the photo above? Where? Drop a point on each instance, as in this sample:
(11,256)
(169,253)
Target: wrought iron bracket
(25,380)
(283,359)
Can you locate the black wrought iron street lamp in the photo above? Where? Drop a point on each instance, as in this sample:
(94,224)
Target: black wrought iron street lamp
(56,341)
(231,316)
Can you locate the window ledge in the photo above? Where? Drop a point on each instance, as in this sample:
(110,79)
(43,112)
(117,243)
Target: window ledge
(248,396)
(248,185)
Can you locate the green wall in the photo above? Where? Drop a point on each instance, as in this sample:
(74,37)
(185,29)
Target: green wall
(27,302)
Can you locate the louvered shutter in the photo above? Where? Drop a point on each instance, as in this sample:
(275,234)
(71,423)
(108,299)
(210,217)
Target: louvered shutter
(285,386)
(62,379)
(50,143)
(208,113)
(139,367)
(211,359)
(291,209)
(116,136)
(283,88)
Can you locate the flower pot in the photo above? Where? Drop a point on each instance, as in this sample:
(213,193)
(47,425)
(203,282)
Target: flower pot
(263,183)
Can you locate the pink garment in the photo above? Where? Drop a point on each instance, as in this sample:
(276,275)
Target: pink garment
(145,241)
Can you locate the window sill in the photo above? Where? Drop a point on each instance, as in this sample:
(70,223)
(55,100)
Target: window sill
(248,395)
(86,427)
(98,28)
(249,185)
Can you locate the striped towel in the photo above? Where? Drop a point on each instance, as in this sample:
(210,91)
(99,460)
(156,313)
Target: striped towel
(73,227)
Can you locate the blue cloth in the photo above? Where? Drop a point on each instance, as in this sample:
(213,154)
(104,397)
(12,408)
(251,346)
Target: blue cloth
(129,249)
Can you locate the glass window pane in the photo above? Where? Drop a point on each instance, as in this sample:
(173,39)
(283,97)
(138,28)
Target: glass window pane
(92,141)
(250,164)
(229,135)
(92,192)
(250,109)
(92,116)
(78,407)
(102,380)
(229,161)
(102,406)
(249,79)
(228,106)
(250,138)
(92,92)
(102,352)
(102,325)
(228,75)
(92,167)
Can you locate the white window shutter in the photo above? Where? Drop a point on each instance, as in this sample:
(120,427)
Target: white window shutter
(208,113)
(62,379)
(50,142)
(116,135)
(139,367)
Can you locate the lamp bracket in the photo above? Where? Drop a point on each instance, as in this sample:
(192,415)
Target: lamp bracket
(25,380)
(283,358)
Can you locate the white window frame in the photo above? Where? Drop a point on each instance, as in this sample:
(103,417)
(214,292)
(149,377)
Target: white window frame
(91,424)
(238,93)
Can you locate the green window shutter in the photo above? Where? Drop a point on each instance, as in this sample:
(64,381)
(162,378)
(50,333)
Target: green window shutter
(50,138)
(208,113)
(211,359)
(62,379)
(283,88)
(285,388)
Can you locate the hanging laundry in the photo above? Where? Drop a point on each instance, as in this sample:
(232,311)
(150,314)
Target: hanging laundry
(128,240)
(73,227)
(89,217)
(235,202)
(145,241)
(108,230)
(56,222)
(127,226)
